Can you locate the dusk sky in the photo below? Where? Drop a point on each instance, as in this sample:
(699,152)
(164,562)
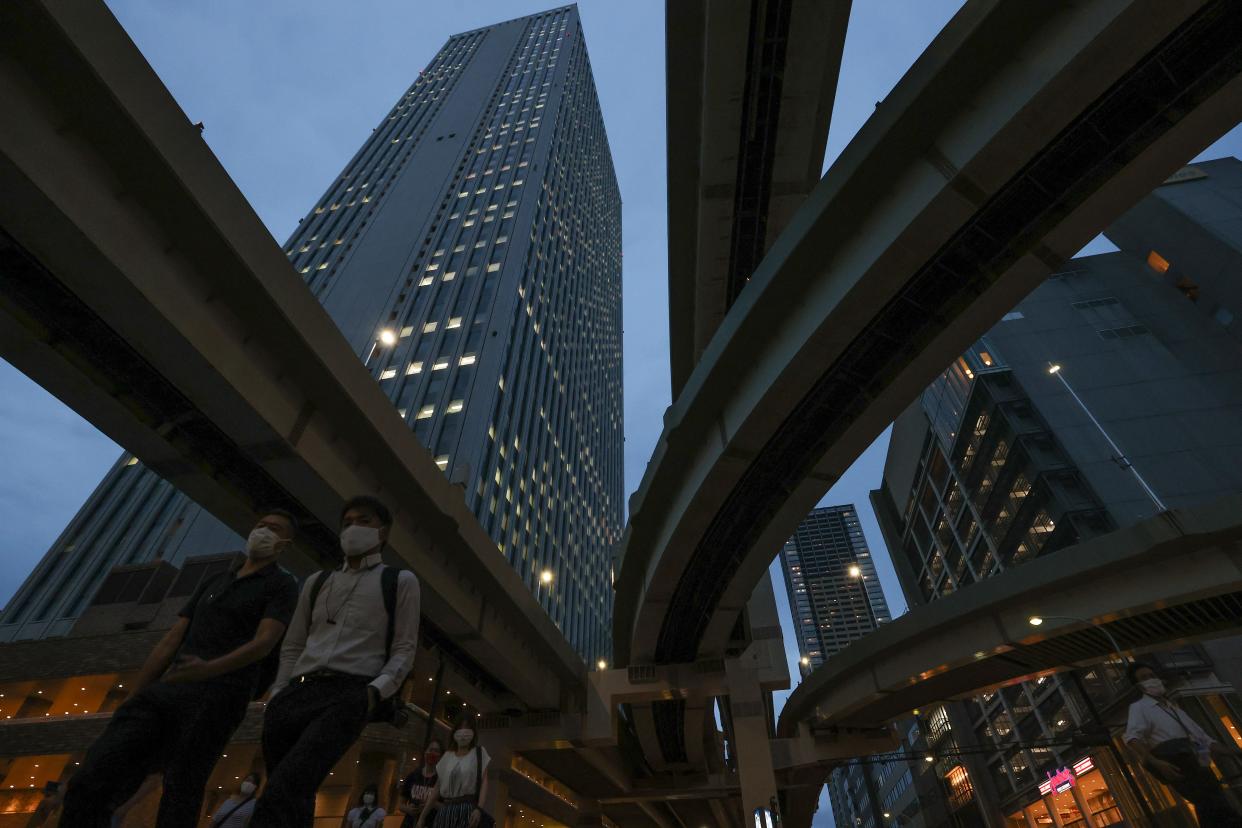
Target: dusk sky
(289,90)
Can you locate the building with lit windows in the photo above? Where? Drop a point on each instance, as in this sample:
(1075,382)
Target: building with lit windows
(470,252)
(1111,392)
(835,597)
(834,594)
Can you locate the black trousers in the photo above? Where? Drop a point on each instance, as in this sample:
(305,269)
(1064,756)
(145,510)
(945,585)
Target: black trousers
(1200,787)
(177,729)
(308,727)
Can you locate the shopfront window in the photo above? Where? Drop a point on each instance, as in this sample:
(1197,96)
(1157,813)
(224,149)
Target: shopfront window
(1100,800)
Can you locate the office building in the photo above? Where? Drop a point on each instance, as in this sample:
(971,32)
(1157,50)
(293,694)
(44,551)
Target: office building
(834,594)
(835,598)
(470,254)
(1112,392)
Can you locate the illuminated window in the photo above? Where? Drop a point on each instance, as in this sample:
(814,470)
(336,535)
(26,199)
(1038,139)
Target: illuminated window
(448,277)
(1157,262)
(467,359)
(426,280)
(454,322)
(415,368)
(388,373)
(407,330)
(455,406)
(429,327)
(440,364)
(425,412)
(442,462)
(493,267)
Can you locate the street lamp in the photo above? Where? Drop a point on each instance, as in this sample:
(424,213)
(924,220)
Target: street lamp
(1055,370)
(545,577)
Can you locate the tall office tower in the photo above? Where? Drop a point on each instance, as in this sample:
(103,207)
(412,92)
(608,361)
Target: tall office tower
(1007,457)
(834,594)
(470,252)
(835,598)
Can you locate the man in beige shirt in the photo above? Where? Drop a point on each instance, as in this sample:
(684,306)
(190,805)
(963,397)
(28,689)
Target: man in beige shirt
(338,665)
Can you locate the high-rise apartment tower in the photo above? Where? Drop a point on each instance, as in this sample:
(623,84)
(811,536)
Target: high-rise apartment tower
(470,252)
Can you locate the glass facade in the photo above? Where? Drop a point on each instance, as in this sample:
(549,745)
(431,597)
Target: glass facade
(470,254)
(834,594)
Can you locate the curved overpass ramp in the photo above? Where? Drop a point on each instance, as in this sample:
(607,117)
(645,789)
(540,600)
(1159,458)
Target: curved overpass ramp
(1021,131)
(1171,579)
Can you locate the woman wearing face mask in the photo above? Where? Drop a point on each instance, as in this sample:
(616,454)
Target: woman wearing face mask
(368,814)
(461,784)
(417,787)
(235,812)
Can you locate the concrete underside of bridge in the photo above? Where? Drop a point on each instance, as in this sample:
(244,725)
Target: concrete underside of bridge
(751,87)
(138,286)
(1017,136)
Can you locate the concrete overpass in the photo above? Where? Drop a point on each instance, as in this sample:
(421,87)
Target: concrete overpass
(140,288)
(750,92)
(1169,580)
(1018,134)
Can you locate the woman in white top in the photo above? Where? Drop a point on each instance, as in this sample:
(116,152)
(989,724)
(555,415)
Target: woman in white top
(368,814)
(235,812)
(457,775)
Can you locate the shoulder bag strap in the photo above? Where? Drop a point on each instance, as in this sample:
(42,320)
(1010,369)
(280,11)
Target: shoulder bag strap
(316,586)
(388,585)
(478,774)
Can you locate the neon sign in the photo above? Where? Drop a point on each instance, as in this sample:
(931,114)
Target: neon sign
(1064,779)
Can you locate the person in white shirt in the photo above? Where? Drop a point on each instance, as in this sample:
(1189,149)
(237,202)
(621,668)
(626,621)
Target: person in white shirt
(236,811)
(461,782)
(1175,749)
(368,814)
(344,658)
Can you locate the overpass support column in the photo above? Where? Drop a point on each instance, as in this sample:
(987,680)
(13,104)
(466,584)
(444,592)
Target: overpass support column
(752,730)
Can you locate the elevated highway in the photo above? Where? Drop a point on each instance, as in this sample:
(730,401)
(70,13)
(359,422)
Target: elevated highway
(1172,579)
(750,91)
(139,287)
(1019,133)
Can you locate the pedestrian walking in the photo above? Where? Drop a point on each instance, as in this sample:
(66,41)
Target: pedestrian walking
(1172,746)
(349,648)
(193,690)
(417,786)
(368,814)
(461,784)
(236,811)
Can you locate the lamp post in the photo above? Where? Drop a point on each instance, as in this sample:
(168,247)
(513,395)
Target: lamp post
(1139,796)
(1120,456)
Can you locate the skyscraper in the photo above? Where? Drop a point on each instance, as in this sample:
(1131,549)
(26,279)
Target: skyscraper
(470,254)
(1003,460)
(834,594)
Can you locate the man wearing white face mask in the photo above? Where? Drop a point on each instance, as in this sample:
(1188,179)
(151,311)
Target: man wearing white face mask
(177,720)
(350,646)
(1175,749)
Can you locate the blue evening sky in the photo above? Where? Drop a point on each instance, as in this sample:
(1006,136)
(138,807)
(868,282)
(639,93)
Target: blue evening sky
(288,91)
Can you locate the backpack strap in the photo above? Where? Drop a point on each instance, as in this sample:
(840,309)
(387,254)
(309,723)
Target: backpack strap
(478,773)
(388,585)
(316,585)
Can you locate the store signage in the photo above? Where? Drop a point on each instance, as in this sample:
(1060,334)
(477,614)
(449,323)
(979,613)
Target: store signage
(1058,782)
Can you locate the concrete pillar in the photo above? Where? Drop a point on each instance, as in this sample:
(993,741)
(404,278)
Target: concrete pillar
(1053,812)
(1083,808)
(750,729)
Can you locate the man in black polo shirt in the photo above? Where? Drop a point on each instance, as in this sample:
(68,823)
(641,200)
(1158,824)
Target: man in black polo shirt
(177,721)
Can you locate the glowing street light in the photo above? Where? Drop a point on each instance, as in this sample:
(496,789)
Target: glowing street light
(388,337)
(545,577)
(806,662)
(855,571)
(601,664)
